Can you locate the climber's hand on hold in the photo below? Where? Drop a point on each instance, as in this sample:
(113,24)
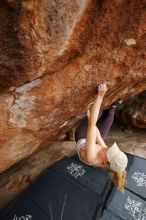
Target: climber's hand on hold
(102,89)
(93,108)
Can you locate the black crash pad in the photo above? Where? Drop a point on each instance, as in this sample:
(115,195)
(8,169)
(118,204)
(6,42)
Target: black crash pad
(53,190)
(56,197)
(96,179)
(70,190)
(126,206)
(24,209)
(109,216)
(136,178)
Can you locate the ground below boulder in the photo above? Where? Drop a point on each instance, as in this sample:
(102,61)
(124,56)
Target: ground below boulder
(133,111)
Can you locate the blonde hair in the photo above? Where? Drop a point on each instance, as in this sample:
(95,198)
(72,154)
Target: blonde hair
(119,179)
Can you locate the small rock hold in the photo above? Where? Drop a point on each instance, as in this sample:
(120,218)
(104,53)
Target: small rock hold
(65,123)
(88,67)
(130,41)
(12,88)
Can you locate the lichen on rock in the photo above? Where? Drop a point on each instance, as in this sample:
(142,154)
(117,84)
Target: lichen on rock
(21,110)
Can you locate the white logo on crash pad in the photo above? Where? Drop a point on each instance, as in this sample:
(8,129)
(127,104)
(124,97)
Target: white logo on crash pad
(140,178)
(136,209)
(75,170)
(26,217)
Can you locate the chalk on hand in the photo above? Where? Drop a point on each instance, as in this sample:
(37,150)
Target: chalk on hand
(106,82)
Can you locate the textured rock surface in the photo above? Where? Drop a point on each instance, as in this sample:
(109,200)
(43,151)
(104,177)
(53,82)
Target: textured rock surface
(38,38)
(133,111)
(52,55)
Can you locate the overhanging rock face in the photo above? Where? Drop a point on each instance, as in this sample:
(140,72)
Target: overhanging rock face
(52,56)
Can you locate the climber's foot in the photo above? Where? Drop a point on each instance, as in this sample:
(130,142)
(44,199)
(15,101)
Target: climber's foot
(117,103)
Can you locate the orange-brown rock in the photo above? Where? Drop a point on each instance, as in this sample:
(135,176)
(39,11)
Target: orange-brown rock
(133,111)
(52,56)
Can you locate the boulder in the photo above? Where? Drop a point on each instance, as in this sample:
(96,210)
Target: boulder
(52,56)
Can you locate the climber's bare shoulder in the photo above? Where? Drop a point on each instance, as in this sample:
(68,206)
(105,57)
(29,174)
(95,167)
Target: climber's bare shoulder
(83,156)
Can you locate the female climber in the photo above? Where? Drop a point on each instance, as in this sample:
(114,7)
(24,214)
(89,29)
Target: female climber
(90,135)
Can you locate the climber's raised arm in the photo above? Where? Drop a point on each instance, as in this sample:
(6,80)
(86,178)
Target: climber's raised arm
(92,129)
(102,89)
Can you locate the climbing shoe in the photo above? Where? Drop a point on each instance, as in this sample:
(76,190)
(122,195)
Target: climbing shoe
(117,103)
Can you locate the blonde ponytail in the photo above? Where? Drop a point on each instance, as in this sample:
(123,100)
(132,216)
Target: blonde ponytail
(119,179)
